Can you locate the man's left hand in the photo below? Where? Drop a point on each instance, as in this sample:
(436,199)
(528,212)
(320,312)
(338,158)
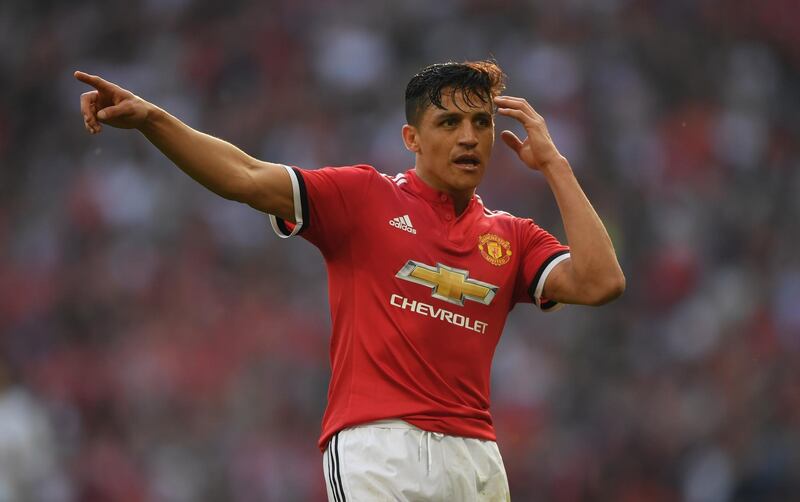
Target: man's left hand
(538,149)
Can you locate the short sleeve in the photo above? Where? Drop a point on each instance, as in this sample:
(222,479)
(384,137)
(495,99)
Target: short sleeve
(326,201)
(541,252)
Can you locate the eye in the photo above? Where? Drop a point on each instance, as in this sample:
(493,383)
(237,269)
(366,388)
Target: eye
(483,122)
(450,122)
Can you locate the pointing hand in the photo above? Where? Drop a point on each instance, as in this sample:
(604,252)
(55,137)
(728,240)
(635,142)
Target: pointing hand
(110,104)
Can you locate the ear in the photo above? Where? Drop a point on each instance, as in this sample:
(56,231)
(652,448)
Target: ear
(411,138)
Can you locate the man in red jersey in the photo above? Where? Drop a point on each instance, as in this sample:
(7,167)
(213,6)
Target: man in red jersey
(421,274)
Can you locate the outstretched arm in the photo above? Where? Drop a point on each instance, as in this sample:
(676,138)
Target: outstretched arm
(592,276)
(216,164)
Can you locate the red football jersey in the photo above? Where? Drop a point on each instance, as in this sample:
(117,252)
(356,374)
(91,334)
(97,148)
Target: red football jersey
(418,296)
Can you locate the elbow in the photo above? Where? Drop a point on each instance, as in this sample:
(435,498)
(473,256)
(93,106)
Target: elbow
(609,290)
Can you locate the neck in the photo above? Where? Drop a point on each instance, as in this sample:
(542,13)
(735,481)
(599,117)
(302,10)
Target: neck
(460,198)
(460,202)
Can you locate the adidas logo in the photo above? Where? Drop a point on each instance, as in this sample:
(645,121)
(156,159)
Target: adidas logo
(403,223)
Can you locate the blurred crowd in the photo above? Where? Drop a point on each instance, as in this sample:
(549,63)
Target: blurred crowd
(159,343)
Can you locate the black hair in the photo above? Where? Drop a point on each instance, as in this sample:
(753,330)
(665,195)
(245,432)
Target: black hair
(481,80)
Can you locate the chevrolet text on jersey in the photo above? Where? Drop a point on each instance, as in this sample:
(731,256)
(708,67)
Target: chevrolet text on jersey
(437,313)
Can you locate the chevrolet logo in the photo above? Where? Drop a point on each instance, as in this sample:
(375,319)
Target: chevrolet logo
(449,284)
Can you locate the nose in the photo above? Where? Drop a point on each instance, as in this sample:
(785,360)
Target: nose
(468,137)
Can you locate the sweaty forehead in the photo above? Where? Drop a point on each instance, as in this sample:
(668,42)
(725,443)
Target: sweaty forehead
(457,102)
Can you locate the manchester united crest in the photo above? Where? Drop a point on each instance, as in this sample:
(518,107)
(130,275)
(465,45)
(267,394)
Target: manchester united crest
(494,249)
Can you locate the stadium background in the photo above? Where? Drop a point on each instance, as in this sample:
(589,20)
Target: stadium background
(159,343)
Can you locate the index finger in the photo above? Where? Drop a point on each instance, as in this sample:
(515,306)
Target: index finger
(510,98)
(95,81)
(522,102)
(517,103)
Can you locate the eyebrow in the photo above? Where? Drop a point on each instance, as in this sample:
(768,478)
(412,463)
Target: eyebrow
(448,114)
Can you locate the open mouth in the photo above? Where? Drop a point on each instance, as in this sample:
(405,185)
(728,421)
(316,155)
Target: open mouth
(467,160)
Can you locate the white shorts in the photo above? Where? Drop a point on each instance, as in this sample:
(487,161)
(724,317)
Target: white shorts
(393,460)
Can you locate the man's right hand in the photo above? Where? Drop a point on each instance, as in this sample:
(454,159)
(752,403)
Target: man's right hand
(110,104)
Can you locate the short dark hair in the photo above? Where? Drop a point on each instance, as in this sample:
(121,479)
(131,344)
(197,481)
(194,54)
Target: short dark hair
(482,80)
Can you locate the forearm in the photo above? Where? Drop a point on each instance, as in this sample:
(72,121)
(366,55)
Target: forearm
(216,164)
(593,259)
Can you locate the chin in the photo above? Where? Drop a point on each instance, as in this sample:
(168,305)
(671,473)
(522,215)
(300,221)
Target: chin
(464,181)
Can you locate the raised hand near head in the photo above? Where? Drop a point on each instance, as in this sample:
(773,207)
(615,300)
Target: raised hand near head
(538,149)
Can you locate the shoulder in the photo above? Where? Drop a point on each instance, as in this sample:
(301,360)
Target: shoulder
(394,180)
(364,170)
(338,176)
(504,217)
(378,178)
(521,227)
(369,176)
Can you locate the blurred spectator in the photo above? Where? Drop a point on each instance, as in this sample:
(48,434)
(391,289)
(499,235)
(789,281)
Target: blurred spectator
(29,465)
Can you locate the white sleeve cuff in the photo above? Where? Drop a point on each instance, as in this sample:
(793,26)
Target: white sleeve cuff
(278,225)
(548,306)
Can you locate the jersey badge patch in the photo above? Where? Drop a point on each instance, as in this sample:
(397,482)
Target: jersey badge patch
(494,249)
